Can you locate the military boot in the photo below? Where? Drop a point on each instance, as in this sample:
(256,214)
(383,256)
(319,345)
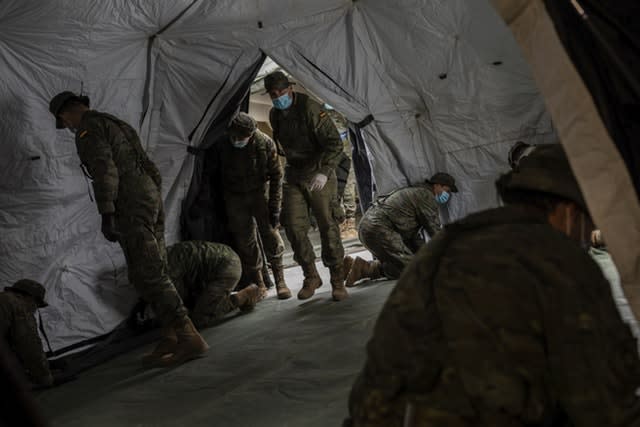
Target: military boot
(338,291)
(166,345)
(190,344)
(261,286)
(347,264)
(363,269)
(281,286)
(312,281)
(246,299)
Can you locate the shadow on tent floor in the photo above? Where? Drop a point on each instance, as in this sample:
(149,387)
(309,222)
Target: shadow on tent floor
(288,363)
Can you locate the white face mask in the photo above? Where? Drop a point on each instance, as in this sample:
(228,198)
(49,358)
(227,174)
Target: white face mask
(240,143)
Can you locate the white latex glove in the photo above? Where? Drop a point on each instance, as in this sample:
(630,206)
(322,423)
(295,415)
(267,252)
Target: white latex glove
(318,182)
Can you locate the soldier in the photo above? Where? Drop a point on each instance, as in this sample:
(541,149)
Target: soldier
(312,147)
(346,176)
(503,319)
(18,305)
(249,164)
(205,273)
(390,229)
(127,190)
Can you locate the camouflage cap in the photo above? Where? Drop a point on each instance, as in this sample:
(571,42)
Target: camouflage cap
(443,178)
(242,124)
(58,101)
(545,170)
(31,288)
(276,80)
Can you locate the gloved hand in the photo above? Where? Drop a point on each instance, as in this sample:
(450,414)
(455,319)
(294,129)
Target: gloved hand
(274,219)
(109,228)
(318,182)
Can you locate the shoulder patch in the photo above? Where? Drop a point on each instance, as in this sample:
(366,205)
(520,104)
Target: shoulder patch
(83,134)
(323,114)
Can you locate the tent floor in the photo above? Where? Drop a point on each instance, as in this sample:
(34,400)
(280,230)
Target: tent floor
(288,363)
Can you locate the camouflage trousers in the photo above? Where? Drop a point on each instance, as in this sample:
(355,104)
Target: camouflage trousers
(393,250)
(296,202)
(142,240)
(212,302)
(248,214)
(347,192)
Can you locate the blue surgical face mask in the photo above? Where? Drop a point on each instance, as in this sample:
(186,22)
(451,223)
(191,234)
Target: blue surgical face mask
(443,197)
(283,102)
(240,143)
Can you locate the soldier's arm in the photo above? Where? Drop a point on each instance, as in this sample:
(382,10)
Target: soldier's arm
(326,135)
(94,149)
(428,213)
(274,170)
(28,347)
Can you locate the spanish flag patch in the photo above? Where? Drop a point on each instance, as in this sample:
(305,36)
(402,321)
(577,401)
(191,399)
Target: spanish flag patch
(83,134)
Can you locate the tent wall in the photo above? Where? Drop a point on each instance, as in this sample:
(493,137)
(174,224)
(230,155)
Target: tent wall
(444,81)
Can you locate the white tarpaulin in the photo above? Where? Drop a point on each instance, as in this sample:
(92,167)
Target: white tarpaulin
(444,81)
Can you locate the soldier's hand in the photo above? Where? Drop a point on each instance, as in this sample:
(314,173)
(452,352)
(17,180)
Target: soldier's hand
(318,182)
(109,228)
(275,219)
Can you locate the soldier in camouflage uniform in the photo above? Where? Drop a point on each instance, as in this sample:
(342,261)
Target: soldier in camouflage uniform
(312,147)
(18,327)
(204,274)
(503,320)
(127,190)
(390,228)
(250,164)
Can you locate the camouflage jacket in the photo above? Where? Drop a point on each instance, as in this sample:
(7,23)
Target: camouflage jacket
(308,137)
(19,329)
(407,210)
(499,321)
(192,264)
(113,157)
(249,169)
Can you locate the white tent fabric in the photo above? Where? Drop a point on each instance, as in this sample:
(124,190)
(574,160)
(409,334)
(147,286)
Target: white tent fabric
(444,81)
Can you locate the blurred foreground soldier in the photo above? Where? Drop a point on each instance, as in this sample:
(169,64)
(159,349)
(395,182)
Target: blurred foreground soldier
(312,147)
(249,165)
(504,320)
(390,229)
(127,190)
(205,274)
(19,329)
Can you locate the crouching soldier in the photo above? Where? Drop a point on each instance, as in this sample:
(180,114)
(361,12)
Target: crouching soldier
(205,273)
(390,228)
(19,329)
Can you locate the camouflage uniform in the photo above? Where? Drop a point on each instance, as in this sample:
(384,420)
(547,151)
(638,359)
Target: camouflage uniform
(19,329)
(204,273)
(127,184)
(390,228)
(311,145)
(348,195)
(499,321)
(245,174)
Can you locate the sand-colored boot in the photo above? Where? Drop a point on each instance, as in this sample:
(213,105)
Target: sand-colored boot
(190,344)
(165,346)
(363,269)
(247,298)
(260,284)
(338,291)
(347,263)
(312,281)
(281,286)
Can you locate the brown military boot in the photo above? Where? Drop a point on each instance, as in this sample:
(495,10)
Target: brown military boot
(347,264)
(247,298)
(312,281)
(166,345)
(338,292)
(190,344)
(281,287)
(363,269)
(261,286)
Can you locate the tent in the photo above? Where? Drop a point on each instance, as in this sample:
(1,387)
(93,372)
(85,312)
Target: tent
(429,86)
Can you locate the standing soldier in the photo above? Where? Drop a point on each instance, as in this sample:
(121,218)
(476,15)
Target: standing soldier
(127,190)
(205,273)
(390,229)
(312,147)
(18,328)
(250,162)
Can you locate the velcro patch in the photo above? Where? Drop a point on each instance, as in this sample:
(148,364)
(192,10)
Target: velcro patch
(83,134)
